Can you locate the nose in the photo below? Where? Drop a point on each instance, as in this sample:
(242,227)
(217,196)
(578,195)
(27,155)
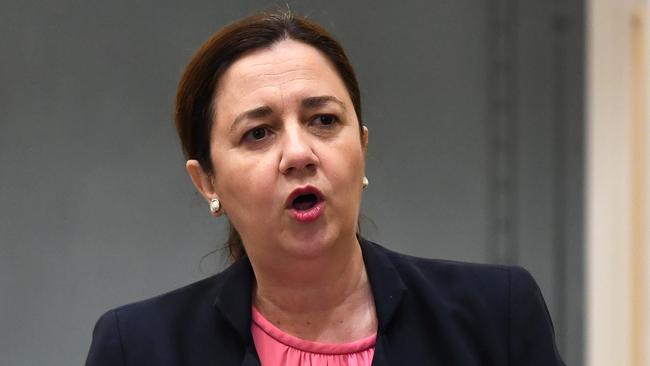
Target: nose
(297,152)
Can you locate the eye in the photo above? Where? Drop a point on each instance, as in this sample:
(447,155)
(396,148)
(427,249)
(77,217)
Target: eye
(256,134)
(325,119)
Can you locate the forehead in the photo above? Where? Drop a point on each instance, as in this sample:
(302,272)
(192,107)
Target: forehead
(285,71)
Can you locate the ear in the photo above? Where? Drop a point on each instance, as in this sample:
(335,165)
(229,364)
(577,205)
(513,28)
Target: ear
(202,180)
(364,138)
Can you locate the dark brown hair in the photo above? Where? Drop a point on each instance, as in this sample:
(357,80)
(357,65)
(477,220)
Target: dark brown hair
(195,95)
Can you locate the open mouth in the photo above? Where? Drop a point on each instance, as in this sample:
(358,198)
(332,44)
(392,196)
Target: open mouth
(306,204)
(305,201)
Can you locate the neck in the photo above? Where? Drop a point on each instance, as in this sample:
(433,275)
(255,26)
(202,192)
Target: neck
(327,298)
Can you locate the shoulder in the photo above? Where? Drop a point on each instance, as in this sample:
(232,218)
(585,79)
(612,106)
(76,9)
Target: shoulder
(172,304)
(484,293)
(496,307)
(160,311)
(153,325)
(454,275)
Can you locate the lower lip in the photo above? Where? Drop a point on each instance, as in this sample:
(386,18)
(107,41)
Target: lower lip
(309,215)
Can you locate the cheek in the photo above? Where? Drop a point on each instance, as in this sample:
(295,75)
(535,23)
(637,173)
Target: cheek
(245,185)
(346,165)
(350,158)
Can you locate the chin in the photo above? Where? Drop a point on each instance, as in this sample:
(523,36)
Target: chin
(309,244)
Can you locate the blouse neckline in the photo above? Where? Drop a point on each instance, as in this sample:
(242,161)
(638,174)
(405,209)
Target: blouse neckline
(311,346)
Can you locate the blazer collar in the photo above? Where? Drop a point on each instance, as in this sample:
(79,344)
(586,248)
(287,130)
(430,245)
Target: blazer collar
(386,283)
(234,296)
(235,285)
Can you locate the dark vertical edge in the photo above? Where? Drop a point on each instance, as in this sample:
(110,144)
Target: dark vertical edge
(568,127)
(559,29)
(502,132)
(574,84)
(513,132)
(490,166)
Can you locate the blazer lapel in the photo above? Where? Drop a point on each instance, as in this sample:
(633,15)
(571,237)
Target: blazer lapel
(379,358)
(387,289)
(234,302)
(251,358)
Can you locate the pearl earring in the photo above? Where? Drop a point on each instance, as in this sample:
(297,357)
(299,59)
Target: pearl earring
(215,206)
(364,182)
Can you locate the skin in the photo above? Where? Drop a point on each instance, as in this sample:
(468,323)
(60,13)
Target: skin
(311,281)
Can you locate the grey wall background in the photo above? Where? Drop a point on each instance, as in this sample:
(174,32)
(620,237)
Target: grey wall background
(475,116)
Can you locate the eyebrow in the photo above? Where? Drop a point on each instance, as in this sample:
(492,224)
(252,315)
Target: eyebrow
(307,103)
(259,112)
(319,101)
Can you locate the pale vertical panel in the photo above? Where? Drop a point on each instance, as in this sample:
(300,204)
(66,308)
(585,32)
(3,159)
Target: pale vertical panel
(608,183)
(645,221)
(646,133)
(638,304)
(618,226)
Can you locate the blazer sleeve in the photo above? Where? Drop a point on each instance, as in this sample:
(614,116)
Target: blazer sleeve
(532,337)
(106,347)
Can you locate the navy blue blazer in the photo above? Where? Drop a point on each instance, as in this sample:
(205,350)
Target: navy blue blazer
(430,312)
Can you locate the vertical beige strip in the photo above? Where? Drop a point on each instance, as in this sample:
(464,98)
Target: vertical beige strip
(638,199)
(608,185)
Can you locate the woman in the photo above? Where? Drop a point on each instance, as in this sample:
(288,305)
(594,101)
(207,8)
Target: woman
(269,115)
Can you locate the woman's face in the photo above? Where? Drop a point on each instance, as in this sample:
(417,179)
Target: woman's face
(287,153)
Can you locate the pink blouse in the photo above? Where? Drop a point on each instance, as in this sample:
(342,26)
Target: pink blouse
(276,347)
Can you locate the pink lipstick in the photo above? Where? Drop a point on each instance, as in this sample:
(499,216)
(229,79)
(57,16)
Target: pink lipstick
(305,204)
